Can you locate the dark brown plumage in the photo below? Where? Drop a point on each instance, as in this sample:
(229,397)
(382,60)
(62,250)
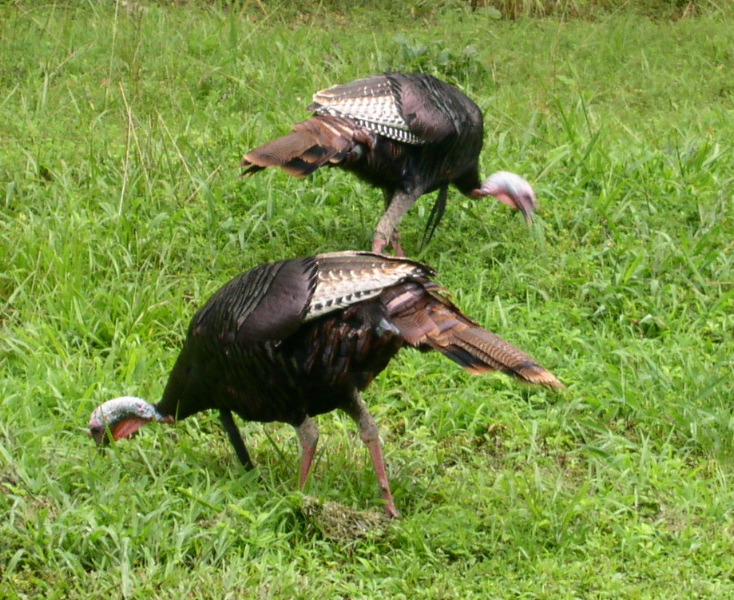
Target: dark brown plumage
(408,134)
(294,339)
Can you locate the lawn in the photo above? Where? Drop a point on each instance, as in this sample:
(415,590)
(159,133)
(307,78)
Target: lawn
(122,210)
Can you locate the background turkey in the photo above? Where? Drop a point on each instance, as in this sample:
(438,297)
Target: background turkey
(408,134)
(293,339)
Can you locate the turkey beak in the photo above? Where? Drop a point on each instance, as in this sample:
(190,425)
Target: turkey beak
(526,204)
(512,190)
(523,202)
(100,436)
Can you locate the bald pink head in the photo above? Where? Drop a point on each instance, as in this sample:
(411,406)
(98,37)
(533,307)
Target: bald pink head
(512,190)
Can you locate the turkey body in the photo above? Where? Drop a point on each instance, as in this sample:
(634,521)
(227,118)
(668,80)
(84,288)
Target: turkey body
(294,339)
(261,349)
(408,134)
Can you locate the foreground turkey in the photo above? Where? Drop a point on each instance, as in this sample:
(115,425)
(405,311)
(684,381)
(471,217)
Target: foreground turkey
(293,339)
(408,134)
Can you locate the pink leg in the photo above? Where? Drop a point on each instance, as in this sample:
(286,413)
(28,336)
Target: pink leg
(370,436)
(395,244)
(308,434)
(396,205)
(378,245)
(376,451)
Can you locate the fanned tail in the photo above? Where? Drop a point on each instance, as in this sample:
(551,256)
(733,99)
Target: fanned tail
(313,144)
(428,320)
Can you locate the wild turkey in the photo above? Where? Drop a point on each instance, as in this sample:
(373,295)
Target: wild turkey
(293,339)
(408,134)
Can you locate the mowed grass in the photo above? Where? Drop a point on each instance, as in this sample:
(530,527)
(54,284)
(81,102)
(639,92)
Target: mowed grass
(122,210)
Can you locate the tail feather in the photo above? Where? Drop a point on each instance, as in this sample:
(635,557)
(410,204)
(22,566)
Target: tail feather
(492,353)
(428,320)
(311,145)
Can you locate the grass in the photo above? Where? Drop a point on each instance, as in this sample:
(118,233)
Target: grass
(122,211)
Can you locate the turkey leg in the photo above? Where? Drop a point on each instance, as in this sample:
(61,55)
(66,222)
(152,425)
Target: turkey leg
(233,433)
(308,435)
(386,234)
(369,434)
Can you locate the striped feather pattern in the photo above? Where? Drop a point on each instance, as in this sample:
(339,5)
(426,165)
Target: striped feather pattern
(345,278)
(427,319)
(373,102)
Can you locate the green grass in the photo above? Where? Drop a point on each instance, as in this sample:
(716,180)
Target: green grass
(122,210)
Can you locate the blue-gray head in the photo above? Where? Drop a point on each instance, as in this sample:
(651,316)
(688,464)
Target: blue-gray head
(122,417)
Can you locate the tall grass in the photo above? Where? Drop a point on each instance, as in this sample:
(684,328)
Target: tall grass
(122,210)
